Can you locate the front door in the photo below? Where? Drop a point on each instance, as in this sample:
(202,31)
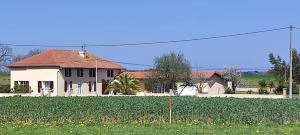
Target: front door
(79,89)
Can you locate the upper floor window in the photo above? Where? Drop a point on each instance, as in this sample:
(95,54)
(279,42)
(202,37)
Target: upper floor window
(80,72)
(68,72)
(110,73)
(92,72)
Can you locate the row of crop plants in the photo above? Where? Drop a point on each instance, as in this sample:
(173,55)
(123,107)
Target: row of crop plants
(147,109)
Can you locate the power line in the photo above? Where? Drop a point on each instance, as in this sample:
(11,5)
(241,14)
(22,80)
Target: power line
(189,40)
(40,45)
(149,43)
(242,68)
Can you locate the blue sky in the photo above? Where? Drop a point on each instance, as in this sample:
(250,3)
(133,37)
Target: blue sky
(71,22)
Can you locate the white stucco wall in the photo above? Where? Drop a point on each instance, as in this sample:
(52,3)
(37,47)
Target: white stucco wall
(102,74)
(33,75)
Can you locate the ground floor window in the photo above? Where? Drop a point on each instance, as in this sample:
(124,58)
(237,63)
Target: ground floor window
(92,86)
(45,86)
(68,86)
(21,87)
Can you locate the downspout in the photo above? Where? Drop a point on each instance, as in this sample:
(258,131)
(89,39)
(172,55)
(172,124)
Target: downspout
(57,83)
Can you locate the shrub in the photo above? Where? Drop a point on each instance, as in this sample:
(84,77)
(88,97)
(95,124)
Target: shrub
(21,89)
(249,92)
(279,89)
(263,91)
(262,87)
(5,89)
(228,91)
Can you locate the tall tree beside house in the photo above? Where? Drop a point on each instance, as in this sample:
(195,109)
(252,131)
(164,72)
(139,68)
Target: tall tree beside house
(172,68)
(125,84)
(5,56)
(233,75)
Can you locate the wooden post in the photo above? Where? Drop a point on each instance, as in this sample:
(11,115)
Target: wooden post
(170,107)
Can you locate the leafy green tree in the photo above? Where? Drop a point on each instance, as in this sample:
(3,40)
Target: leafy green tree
(171,68)
(271,85)
(281,69)
(233,75)
(263,85)
(125,84)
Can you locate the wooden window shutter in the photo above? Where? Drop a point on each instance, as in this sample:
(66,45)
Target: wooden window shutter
(39,86)
(66,72)
(66,86)
(90,86)
(51,85)
(95,86)
(27,86)
(70,84)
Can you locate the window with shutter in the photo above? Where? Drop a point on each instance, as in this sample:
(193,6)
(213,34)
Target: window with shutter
(80,72)
(110,73)
(68,72)
(92,72)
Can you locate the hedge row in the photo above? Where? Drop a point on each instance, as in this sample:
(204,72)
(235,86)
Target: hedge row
(148,109)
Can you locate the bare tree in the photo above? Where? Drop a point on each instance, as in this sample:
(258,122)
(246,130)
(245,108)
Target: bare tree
(19,57)
(5,56)
(198,79)
(233,75)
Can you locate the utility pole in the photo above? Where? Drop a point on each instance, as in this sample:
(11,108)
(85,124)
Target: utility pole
(96,75)
(291,64)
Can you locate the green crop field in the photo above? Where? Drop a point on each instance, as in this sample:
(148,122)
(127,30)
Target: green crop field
(147,115)
(148,109)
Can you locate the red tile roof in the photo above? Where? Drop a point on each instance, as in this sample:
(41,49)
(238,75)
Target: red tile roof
(145,74)
(64,59)
(206,75)
(138,74)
